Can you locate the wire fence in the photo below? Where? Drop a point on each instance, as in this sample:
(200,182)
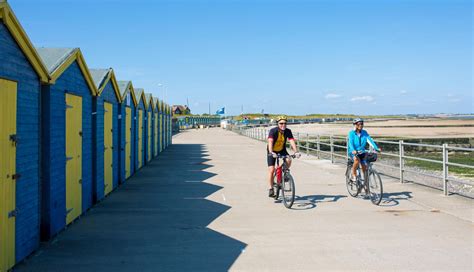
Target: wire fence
(436,166)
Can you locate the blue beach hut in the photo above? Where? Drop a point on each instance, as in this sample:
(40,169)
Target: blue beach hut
(141,128)
(67,157)
(149,127)
(106,132)
(127,129)
(156,128)
(21,75)
(162,126)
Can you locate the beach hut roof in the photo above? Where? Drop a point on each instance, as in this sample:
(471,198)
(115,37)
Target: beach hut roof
(103,76)
(149,100)
(57,60)
(140,93)
(126,87)
(19,35)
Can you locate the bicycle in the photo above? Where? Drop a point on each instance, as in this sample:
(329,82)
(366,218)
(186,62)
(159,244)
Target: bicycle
(283,180)
(372,186)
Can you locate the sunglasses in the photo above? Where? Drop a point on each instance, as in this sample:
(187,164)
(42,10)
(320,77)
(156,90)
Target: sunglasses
(359,124)
(282,123)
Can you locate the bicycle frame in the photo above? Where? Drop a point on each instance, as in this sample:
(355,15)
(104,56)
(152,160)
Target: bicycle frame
(280,168)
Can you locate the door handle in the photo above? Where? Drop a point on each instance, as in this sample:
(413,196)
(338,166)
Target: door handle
(13,213)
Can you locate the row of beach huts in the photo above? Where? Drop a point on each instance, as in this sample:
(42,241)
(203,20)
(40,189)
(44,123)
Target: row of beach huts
(69,136)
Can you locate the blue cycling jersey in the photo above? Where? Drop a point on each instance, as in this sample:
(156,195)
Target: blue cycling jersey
(358,142)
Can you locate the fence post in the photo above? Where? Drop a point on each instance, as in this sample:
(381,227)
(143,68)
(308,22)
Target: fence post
(319,146)
(331,141)
(297,140)
(347,148)
(445,170)
(307,144)
(401,150)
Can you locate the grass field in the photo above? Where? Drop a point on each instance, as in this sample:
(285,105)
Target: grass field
(461,158)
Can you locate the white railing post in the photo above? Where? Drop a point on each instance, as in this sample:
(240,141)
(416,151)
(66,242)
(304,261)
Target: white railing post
(319,146)
(445,170)
(307,144)
(297,140)
(401,150)
(347,148)
(331,141)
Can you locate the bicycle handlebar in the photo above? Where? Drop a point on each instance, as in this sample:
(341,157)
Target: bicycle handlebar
(282,156)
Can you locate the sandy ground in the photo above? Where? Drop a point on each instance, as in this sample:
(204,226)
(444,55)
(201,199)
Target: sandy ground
(398,128)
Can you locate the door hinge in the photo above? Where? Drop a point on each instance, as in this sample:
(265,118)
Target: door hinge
(13,213)
(68,158)
(14,139)
(80,181)
(80,133)
(16,176)
(69,106)
(69,210)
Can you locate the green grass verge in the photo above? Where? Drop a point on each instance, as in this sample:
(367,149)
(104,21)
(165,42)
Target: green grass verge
(460,158)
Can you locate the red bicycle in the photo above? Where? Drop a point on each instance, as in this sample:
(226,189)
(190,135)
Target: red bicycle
(283,180)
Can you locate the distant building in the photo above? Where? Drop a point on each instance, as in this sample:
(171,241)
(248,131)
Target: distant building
(181,110)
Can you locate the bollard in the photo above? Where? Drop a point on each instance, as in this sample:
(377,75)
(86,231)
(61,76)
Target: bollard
(402,161)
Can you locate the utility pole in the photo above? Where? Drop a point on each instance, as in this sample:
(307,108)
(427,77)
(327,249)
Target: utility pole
(209,108)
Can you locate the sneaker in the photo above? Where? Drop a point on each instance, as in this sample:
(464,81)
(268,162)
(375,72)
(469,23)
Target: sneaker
(271,193)
(353,178)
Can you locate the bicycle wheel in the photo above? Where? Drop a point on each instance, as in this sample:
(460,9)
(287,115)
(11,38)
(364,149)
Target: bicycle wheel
(352,186)
(288,190)
(375,187)
(276,188)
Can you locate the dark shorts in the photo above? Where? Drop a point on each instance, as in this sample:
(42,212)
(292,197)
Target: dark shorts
(362,157)
(271,160)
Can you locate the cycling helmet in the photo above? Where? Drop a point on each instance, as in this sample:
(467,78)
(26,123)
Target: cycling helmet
(357,120)
(281,117)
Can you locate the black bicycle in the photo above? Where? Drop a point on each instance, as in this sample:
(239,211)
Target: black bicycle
(283,180)
(372,186)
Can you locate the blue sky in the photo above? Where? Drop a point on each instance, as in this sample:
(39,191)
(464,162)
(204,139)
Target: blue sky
(294,57)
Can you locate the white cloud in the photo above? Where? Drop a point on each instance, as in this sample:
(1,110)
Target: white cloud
(366,98)
(403,92)
(332,96)
(454,100)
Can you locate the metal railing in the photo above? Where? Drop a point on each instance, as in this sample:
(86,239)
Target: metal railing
(326,144)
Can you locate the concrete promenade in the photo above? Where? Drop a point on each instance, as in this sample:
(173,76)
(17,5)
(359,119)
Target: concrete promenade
(203,206)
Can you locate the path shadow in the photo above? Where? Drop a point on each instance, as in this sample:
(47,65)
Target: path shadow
(393,199)
(156,221)
(311,201)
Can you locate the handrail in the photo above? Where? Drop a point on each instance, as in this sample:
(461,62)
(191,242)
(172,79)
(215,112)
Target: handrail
(259,131)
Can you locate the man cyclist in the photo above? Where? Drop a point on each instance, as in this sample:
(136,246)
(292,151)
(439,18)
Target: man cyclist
(277,138)
(357,140)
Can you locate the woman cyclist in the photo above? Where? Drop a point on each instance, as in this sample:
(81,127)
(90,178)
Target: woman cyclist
(357,140)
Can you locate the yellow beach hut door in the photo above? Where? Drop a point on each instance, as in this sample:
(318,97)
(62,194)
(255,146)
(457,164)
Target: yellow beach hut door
(128,136)
(73,157)
(156,135)
(108,148)
(8,110)
(140,138)
(148,153)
